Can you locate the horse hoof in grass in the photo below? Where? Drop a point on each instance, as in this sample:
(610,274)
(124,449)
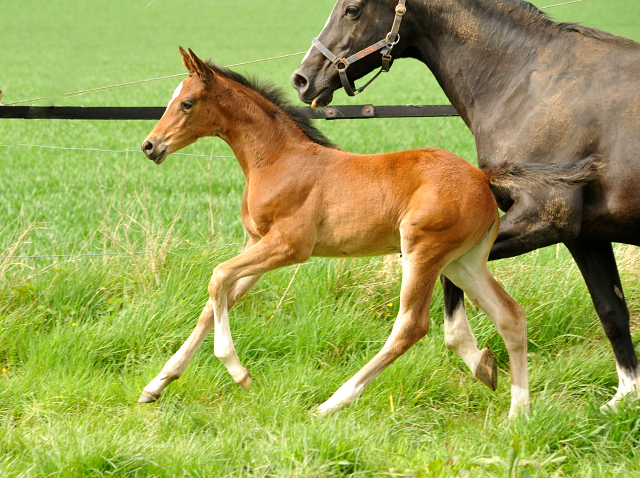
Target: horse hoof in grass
(146,398)
(246,381)
(487,371)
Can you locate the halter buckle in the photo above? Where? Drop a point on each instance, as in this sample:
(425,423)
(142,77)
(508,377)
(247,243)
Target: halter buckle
(392,43)
(341,64)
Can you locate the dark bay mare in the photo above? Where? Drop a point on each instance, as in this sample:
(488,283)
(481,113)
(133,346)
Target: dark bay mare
(532,92)
(304,197)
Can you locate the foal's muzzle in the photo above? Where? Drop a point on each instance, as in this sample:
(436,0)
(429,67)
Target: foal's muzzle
(154,150)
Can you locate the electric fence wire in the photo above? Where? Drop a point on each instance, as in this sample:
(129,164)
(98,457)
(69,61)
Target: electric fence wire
(82,92)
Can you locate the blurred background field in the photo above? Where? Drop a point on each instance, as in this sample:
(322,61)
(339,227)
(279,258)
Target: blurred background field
(80,336)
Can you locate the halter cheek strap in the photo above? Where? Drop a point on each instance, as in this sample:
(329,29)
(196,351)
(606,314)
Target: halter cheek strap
(384,46)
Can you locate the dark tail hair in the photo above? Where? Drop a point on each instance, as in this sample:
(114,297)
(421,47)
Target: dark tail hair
(545,175)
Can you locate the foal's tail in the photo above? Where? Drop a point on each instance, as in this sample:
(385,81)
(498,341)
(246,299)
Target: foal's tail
(545,175)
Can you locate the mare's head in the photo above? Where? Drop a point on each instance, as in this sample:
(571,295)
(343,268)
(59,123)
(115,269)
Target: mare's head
(191,113)
(352,26)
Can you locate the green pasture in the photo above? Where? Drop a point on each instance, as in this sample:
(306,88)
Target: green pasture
(80,336)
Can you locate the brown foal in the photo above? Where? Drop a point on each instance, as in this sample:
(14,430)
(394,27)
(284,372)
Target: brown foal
(305,198)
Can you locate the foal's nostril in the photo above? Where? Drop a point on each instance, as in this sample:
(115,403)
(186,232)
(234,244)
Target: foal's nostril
(147,147)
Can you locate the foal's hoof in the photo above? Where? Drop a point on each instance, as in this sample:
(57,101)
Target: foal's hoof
(324,410)
(518,411)
(147,397)
(487,371)
(245,382)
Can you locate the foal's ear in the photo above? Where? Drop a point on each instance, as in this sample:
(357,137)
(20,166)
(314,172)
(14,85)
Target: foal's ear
(203,70)
(196,66)
(186,59)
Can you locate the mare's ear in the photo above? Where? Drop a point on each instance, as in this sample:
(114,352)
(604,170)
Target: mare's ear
(200,68)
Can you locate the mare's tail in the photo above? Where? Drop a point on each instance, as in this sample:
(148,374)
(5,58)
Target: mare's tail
(545,175)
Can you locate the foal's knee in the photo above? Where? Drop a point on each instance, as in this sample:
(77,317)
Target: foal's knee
(422,328)
(217,283)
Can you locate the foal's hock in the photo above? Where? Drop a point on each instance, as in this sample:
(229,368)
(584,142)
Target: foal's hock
(303,198)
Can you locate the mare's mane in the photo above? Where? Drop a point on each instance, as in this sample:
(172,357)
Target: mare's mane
(278,97)
(528,13)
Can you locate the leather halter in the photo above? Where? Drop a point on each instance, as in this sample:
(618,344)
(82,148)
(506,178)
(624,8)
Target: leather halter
(384,46)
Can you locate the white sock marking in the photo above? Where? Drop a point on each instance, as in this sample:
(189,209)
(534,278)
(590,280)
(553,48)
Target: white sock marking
(627,384)
(459,338)
(223,348)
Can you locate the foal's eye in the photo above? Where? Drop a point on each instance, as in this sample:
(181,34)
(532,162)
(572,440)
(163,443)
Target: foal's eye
(352,11)
(186,105)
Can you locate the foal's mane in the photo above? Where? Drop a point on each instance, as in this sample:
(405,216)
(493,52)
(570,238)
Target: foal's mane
(278,97)
(528,13)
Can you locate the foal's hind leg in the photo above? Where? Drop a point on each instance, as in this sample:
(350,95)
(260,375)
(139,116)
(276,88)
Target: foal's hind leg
(419,274)
(459,339)
(470,273)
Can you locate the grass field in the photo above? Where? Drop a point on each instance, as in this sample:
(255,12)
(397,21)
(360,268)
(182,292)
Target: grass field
(81,336)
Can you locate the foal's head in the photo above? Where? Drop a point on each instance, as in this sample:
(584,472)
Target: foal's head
(191,113)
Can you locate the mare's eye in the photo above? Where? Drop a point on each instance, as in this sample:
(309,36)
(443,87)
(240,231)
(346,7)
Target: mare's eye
(352,11)
(186,105)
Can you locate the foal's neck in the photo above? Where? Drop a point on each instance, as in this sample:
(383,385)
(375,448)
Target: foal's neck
(257,130)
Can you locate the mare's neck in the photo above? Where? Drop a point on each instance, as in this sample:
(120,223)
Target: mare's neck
(477,53)
(257,131)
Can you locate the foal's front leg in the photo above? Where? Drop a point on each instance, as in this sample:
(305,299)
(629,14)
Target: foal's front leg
(177,364)
(230,280)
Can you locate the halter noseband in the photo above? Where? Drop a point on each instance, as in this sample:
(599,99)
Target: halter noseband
(384,46)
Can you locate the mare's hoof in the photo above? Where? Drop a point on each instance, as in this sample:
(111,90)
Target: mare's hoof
(147,397)
(246,381)
(487,371)
(618,400)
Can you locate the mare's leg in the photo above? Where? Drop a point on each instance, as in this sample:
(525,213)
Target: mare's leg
(230,280)
(459,339)
(419,273)
(598,266)
(470,272)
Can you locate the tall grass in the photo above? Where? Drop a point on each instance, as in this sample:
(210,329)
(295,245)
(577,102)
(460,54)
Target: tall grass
(130,248)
